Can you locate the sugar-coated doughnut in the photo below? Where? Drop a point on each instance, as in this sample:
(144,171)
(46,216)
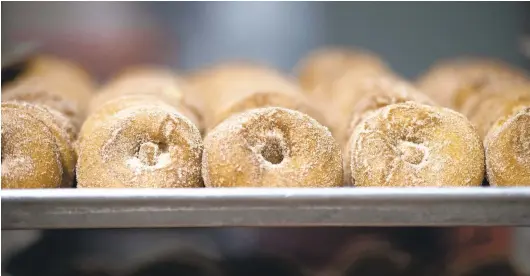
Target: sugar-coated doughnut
(30,156)
(325,65)
(499,90)
(62,132)
(235,87)
(61,69)
(444,80)
(508,149)
(271,147)
(108,109)
(144,146)
(355,95)
(411,144)
(247,101)
(164,87)
(46,92)
(494,108)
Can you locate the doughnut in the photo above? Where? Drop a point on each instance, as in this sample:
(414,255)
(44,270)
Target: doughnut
(144,71)
(443,81)
(235,87)
(501,90)
(411,144)
(44,92)
(265,99)
(355,95)
(163,86)
(60,69)
(61,131)
(111,107)
(30,156)
(221,82)
(326,65)
(144,146)
(493,108)
(271,147)
(508,149)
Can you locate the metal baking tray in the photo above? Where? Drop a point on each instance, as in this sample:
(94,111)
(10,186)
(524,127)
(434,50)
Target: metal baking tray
(264,207)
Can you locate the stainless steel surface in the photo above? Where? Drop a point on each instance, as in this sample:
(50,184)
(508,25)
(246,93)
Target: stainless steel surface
(141,208)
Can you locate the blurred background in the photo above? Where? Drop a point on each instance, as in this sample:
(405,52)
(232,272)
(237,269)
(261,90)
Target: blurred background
(107,36)
(188,35)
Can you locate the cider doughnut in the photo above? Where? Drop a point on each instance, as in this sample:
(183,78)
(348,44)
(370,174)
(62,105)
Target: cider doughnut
(63,70)
(187,96)
(501,90)
(369,93)
(222,83)
(326,65)
(144,146)
(445,79)
(493,108)
(44,92)
(236,87)
(30,157)
(271,147)
(266,99)
(411,144)
(61,132)
(508,149)
(111,107)
(164,87)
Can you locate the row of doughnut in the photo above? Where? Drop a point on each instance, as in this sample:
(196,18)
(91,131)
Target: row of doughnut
(347,119)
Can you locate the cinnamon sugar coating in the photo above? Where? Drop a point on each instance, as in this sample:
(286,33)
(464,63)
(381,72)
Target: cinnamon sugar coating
(411,144)
(271,147)
(30,156)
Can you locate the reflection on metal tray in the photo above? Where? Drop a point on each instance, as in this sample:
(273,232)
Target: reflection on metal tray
(141,208)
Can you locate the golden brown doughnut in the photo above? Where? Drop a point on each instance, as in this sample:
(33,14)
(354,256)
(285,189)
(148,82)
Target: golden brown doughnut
(222,81)
(163,86)
(411,144)
(356,95)
(271,147)
(444,80)
(260,99)
(493,108)
(236,87)
(144,146)
(30,156)
(500,90)
(144,71)
(325,65)
(508,149)
(60,69)
(45,92)
(108,109)
(61,130)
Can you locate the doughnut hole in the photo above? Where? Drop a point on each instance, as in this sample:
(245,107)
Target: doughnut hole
(274,150)
(150,153)
(411,152)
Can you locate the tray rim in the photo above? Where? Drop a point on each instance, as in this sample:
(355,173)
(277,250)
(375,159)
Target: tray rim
(263,207)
